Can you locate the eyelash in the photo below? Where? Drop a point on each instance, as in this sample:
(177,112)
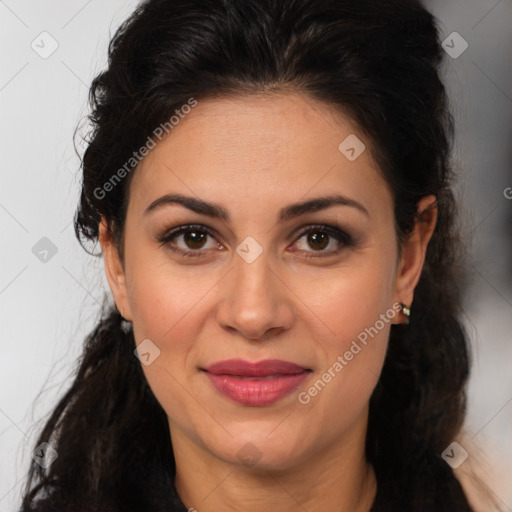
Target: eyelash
(342,237)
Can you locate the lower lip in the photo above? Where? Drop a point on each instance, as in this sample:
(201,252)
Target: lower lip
(254,391)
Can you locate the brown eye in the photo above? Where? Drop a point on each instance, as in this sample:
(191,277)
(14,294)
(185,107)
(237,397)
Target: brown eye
(318,238)
(193,240)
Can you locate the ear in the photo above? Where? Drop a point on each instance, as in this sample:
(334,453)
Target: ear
(414,250)
(114,270)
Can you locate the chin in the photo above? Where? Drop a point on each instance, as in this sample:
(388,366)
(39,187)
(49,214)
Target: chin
(260,453)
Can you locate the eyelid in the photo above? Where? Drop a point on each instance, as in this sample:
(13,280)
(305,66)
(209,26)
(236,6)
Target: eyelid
(170,233)
(344,239)
(340,234)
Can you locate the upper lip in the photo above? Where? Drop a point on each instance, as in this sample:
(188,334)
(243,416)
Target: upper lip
(259,369)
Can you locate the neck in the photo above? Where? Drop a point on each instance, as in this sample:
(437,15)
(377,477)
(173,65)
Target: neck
(339,478)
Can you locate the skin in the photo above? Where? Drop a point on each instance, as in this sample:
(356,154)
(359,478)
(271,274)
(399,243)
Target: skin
(254,155)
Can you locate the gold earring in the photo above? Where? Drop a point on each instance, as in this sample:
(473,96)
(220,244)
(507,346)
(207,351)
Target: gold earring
(407,313)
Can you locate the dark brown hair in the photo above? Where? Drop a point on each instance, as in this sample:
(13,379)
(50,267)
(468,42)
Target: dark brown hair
(378,62)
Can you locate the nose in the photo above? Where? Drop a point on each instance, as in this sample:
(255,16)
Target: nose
(254,300)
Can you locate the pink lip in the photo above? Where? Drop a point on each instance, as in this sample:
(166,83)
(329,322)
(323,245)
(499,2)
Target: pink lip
(256,384)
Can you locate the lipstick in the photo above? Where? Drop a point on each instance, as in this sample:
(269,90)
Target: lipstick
(256,384)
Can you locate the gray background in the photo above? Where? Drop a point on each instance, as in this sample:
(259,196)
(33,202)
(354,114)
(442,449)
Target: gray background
(46,308)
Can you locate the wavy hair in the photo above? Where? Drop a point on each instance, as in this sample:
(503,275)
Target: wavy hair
(378,63)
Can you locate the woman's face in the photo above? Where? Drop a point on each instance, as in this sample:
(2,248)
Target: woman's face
(253,286)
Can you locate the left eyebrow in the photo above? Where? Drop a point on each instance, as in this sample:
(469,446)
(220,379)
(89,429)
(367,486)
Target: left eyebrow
(287,213)
(317,204)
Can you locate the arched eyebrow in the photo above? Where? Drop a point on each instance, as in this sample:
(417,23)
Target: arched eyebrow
(289,212)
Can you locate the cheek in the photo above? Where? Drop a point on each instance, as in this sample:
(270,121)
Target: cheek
(354,313)
(168,308)
(168,311)
(163,295)
(350,299)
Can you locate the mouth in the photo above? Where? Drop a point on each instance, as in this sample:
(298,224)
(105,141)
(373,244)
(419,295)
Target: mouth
(256,384)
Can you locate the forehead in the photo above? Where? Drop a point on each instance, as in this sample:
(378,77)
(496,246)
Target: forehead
(273,147)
